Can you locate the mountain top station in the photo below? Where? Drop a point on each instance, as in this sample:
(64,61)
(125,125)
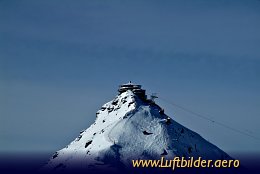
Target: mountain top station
(136,89)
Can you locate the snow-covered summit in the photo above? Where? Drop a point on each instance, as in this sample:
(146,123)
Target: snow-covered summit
(131,127)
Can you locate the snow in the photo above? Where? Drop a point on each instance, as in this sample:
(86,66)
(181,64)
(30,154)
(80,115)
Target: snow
(128,128)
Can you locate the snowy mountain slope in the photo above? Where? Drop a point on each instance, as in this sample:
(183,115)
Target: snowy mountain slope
(127,128)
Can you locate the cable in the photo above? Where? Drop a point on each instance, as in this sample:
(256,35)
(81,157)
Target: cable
(209,119)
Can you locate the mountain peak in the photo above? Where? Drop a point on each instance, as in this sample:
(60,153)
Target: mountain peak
(132,127)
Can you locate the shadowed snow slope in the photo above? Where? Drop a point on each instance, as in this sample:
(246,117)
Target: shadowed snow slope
(128,128)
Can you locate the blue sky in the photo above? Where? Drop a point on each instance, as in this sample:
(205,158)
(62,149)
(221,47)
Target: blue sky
(61,60)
